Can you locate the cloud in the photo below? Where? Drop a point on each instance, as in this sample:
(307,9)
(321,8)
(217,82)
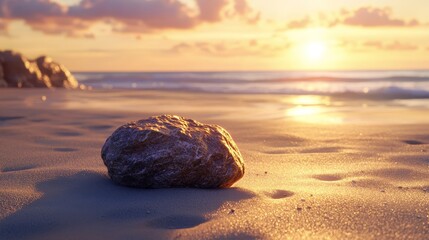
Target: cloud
(243,9)
(361,17)
(375,17)
(378,45)
(393,46)
(28,10)
(300,23)
(136,16)
(43,15)
(250,47)
(373,44)
(211,11)
(3,27)
(216,10)
(398,46)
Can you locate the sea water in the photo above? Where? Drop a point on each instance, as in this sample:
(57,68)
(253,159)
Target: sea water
(412,84)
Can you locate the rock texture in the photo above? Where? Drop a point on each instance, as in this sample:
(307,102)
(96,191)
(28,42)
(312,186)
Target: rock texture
(3,82)
(171,151)
(18,71)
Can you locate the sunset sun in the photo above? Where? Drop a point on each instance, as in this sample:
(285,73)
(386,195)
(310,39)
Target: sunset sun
(315,50)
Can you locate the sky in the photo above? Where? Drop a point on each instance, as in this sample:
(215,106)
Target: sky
(220,35)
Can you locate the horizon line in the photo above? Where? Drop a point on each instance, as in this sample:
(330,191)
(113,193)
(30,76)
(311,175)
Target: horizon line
(237,71)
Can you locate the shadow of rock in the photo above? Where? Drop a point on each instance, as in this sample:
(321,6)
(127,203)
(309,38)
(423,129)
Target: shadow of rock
(88,205)
(177,222)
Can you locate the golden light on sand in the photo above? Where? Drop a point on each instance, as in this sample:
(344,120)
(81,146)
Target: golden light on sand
(315,50)
(303,111)
(312,109)
(311,100)
(313,114)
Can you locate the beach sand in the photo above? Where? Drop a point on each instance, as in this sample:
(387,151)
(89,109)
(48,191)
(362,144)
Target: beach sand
(316,168)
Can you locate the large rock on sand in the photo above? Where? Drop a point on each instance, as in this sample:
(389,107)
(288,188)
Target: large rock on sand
(18,71)
(170,151)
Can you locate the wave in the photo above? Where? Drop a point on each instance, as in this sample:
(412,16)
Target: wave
(232,77)
(362,84)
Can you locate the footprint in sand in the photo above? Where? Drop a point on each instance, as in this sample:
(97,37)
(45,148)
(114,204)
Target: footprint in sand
(411,159)
(178,222)
(4,119)
(327,177)
(280,194)
(17,168)
(277,152)
(237,236)
(99,127)
(413,142)
(65,149)
(67,134)
(322,150)
(39,120)
(400,174)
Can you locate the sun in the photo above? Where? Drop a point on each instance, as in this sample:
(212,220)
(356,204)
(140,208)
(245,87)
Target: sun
(315,50)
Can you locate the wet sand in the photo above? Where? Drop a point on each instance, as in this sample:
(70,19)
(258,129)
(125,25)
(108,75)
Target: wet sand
(316,168)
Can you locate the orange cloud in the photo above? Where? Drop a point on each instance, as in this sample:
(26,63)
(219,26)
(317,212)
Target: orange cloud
(211,11)
(400,46)
(251,47)
(137,16)
(361,17)
(395,46)
(43,15)
(375,17)
(3,27)
(378,45)
(300,23)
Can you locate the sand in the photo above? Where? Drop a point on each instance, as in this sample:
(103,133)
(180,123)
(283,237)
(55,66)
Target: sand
(316,168)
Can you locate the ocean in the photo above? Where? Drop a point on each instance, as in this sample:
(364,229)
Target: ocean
(412,84)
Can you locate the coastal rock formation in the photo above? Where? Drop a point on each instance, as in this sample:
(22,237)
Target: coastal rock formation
(3,82)
(59,76)
(18,71)
(171,151)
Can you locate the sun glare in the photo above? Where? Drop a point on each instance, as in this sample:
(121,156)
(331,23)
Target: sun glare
(315,50)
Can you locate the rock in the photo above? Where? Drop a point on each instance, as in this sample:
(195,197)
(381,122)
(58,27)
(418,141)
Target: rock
(3,82)
(18,71)
(170,151)
(1,72)
(59,76)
